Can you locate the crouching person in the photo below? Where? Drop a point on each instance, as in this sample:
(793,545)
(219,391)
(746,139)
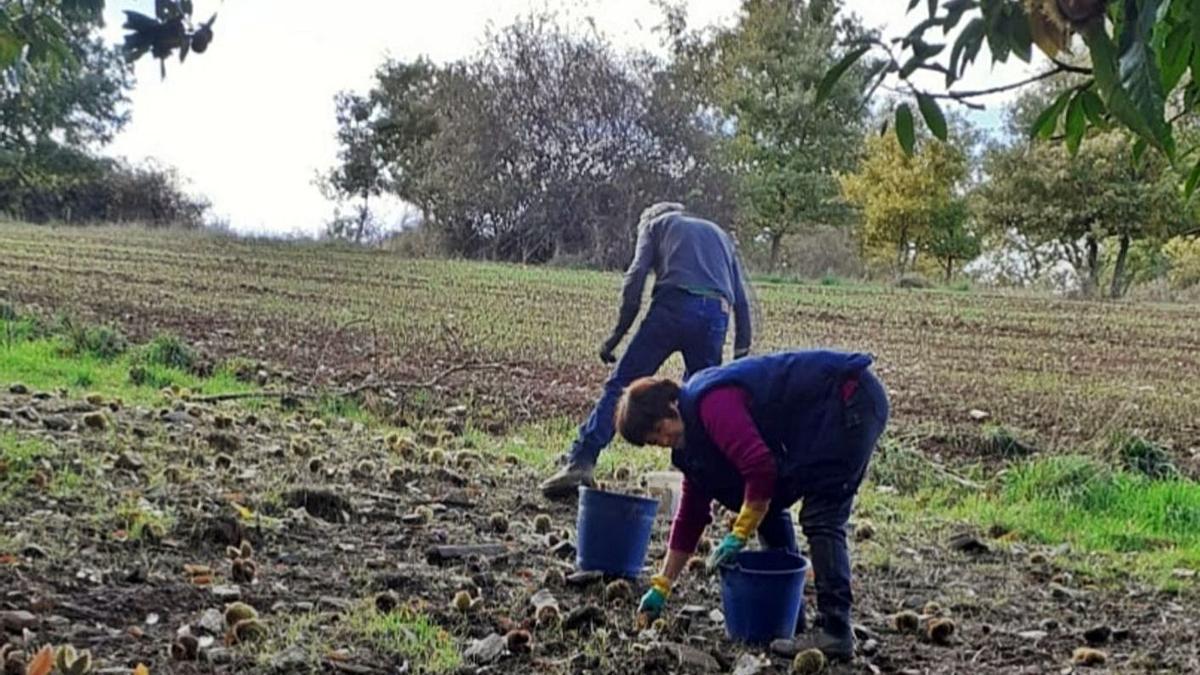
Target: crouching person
(758,435)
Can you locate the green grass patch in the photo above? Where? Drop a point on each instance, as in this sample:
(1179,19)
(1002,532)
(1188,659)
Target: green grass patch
(427,647)
(1147,528)
(331,407)
(1118,523)
(541,444)
(21,457)
(18,460)
(48,364)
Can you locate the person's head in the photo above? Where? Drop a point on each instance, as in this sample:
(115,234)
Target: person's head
(660,209)
(648,413)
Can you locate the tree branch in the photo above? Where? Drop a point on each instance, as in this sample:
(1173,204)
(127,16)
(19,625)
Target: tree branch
(962,96)
(1068,68)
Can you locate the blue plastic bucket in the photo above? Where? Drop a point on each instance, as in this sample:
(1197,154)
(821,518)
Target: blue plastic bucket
(613,532)
(763,595)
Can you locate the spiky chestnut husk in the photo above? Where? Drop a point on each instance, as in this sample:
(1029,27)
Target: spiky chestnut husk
(239,611)
(939,631)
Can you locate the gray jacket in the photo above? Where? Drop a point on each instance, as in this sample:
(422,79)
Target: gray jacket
(688,253)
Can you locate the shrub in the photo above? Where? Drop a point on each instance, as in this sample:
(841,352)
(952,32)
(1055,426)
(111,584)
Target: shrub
(1139,455)
(171,352)
(103,342)
(1183,254)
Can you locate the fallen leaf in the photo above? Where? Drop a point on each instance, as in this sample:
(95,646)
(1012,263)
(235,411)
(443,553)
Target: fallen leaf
(201,580)
(8,559)
(196,570)
(42,662)
(141,670)
(244,512)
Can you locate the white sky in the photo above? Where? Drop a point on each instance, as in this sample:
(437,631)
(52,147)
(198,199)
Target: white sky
(249,123)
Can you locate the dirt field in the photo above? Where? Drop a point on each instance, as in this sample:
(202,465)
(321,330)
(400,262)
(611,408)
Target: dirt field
(1066,372)
(124,523)
(136,552)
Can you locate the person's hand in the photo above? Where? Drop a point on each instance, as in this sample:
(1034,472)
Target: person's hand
(725,552)
(655,599)
(606,351)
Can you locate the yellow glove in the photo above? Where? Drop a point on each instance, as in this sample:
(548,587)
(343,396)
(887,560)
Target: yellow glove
(749,518)
(654,600)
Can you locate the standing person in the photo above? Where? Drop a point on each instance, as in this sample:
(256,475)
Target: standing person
(758,435)
(697,279)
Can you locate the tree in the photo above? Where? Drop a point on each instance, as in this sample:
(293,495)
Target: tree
(80,104)
(62,96)
(952,240)
(1140,54)
(1183,254)
(762,75)
(909,202)
(45,33)
(1068,206)
(546,144)
(359,175)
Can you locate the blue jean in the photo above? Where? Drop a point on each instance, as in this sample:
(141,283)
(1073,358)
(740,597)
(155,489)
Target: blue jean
(824,516)
(677,321)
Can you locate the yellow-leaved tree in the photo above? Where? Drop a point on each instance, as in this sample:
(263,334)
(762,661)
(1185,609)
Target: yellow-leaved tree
(910,204)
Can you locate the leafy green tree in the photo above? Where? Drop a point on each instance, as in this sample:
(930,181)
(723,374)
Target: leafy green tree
(1140,74)
(62,96)
(762,75)
(1071,205)
(46,33)
(952,240)
(80,103)
(359,175)
(545,145)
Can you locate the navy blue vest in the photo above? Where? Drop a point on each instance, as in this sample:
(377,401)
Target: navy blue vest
(795,401)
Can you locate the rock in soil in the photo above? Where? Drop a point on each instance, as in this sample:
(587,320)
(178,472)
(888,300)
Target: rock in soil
(968,543)
(290,660)
(1097,635)
(226,593)
(487,650)
(685,658)
(785,648)
(581,579)
(130,461)
(324,504)
(586,615)
(749,664)
(15,621)
(564,550)
(212,621)
(56,423)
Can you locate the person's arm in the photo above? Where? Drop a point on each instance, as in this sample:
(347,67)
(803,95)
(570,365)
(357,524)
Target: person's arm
(743,330)
(635,282)
(693,515)
(725,414)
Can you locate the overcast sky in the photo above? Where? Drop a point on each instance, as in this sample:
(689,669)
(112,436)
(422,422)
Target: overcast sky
(250,122)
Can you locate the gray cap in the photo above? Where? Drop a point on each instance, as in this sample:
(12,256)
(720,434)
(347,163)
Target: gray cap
(661,208)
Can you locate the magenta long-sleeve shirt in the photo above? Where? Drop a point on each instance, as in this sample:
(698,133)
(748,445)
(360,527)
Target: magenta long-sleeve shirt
(725,414)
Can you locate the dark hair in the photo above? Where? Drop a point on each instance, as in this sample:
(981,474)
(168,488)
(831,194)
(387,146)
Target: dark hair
(645,403)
